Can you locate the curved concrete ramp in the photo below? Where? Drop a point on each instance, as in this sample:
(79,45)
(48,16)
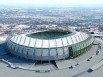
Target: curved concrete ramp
(64,63)
(96,66)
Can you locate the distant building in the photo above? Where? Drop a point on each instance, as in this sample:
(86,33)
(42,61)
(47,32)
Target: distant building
(96,34)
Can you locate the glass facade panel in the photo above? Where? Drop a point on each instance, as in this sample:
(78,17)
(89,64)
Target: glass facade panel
(38,52)
(25,51)
(45,52)
(60,51)
(66,50)
(53,52)
(30,51)
(19,50)
(15,48)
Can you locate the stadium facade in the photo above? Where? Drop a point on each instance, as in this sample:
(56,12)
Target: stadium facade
(50,45)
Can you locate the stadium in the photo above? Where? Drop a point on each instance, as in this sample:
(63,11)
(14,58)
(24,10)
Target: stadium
(50,45)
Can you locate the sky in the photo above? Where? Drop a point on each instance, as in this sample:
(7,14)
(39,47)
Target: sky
(52,2)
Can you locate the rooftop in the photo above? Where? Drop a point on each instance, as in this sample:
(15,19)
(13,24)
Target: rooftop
(52,34)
